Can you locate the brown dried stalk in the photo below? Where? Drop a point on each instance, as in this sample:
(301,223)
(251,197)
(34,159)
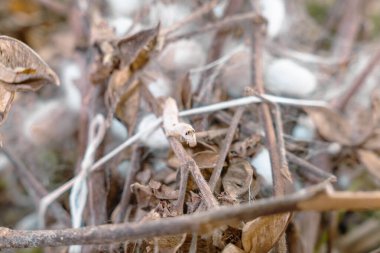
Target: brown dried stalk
(225,148)
(271,140)
(318,198)
(184,157)
(129,179)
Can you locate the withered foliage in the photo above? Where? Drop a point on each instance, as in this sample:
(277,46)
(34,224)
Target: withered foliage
(200,162)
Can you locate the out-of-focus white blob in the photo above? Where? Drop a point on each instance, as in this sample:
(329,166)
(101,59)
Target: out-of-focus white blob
(155,140)
(126,7)
(263,166)
(235,75)
(181,56)
(168,14)
(52,121)
(274,12)
(49,123)
(121,25)
(158,84)
(304,130)
(220,8)
(124,167)
(69,74)
(118,130)
(334,148)
(284,76)
(4,162)
(29,222)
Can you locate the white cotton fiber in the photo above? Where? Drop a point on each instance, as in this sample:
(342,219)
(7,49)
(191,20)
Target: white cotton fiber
(182,55)
(274,12)
(263,165)
(284,76)
(155,140)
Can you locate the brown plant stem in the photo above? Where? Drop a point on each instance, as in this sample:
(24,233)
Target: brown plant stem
(270,134)
(185,159)
(225,148)
(309,170)
(358,82)
(316,198)
(129,179)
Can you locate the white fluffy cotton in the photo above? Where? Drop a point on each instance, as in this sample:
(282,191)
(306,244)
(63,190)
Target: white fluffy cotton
(304,130)
(50,123)
(158,84)
(155,140)
(121,25)
(55,120)
(263,166)
(118,130)
(274,12)
(235,75)
(126,7)
(168,14)
(287,77)
(69,74)
(182,55)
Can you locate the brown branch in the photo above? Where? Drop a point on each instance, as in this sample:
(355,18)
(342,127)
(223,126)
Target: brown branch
(358,82)
(309,169)
(207,7)
(191,165)
(182,189)
(183,156)
(271,140)
(225,148)
(224,24)
(316,198)
(129,179)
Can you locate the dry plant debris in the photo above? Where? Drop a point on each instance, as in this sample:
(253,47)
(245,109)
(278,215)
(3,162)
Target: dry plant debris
(190,126)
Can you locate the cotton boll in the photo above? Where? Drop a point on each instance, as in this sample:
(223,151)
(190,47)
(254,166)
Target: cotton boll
(118,130)
(158,84)
(236,73)
(29,222)
(263,165)
(274,12)
(70,72)
(287,77)
(126,7)
(168,14)
(4,162)
(50,123)
(304,130)
(121,25)
(155,140)
(181,56)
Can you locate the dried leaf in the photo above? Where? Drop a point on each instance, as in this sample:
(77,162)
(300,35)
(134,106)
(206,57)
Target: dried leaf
(373,143)
(128,107)
(135,50)
(371,161)
(5,102)
(206,159)
(331,125)
(247,147)
(21,68)
(261,234)
(231,248)
(238,178)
